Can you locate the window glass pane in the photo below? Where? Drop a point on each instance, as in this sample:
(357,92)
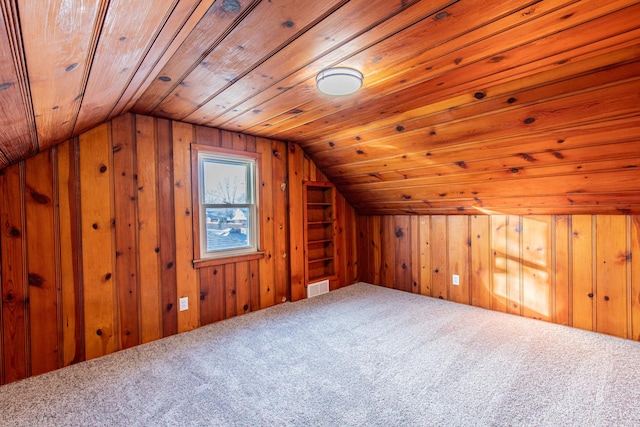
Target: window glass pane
(225,182)
(227,228)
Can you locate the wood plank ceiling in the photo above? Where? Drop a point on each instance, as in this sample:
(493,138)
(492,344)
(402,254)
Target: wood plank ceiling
(469,106)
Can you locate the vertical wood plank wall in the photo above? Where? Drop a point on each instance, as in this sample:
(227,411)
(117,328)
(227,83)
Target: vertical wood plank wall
(302,169)
(96,243)
(572,270)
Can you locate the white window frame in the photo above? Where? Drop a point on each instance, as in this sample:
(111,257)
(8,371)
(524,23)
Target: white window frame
(200,154)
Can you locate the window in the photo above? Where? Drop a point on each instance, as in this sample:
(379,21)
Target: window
(227,216)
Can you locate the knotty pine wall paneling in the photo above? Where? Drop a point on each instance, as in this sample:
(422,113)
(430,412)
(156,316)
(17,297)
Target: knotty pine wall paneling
(126,229)
(44,297)
(96,244)
(15,315)
(98,241)
(295,163)
(187,283)
(148,227)
(167,254)
(575,270)
(267,232)
(70,246)
(300,170)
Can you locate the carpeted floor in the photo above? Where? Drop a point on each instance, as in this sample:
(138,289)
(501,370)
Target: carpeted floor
(359,356)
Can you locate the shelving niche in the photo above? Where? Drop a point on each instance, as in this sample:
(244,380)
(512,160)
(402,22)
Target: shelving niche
(319,231)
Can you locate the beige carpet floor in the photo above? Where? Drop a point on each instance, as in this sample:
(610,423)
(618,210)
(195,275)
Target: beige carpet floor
(360,356)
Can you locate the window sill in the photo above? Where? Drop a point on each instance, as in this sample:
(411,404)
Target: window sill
(210,262)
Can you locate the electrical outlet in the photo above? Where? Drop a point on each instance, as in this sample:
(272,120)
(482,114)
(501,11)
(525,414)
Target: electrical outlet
(456,280)
(184,303)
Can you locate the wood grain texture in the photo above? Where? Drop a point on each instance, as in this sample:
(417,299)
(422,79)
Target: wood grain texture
(125,38)
(18,135)
(571,270)
(388,239)
(267,232)
(465,105)
(537,269)
(149,263)
(295,159)
(438,235)
(562,271)
(98,264)
(402,259)
(70,254)
(515,291)
(480,280)
(259,34)
(186,277)
(63,29)
(425,255)
(44,297)
(458,242)
(212,295)
(126,229)
(282,289)
(14,275)
(166,219)
(582,253)
(106,219)
(611,275)
(499,261)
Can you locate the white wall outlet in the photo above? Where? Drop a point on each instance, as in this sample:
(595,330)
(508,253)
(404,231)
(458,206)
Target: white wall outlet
(184,303)
(455,280)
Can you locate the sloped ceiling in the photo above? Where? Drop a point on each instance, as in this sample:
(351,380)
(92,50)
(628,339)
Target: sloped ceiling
(468,106)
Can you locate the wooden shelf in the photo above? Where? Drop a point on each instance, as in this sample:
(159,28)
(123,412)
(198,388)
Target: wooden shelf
(319,231)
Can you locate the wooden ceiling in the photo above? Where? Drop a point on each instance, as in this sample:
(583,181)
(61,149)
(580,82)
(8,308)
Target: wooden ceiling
(468,106)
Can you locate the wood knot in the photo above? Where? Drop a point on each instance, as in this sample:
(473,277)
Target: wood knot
(36,280)
(103,168)
(230,5)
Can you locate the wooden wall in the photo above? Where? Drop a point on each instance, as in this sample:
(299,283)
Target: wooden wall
(572,270)
(302,169)
(97,243)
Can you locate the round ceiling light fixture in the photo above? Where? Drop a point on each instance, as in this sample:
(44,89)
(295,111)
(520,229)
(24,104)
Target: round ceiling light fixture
(339,81)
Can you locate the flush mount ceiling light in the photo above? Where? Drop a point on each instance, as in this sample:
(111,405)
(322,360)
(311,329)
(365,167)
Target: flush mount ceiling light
(339,81)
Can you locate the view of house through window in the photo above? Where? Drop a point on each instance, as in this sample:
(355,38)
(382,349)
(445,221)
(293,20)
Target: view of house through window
(228,206)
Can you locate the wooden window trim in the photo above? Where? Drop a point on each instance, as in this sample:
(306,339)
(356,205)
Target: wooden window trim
(211,262)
